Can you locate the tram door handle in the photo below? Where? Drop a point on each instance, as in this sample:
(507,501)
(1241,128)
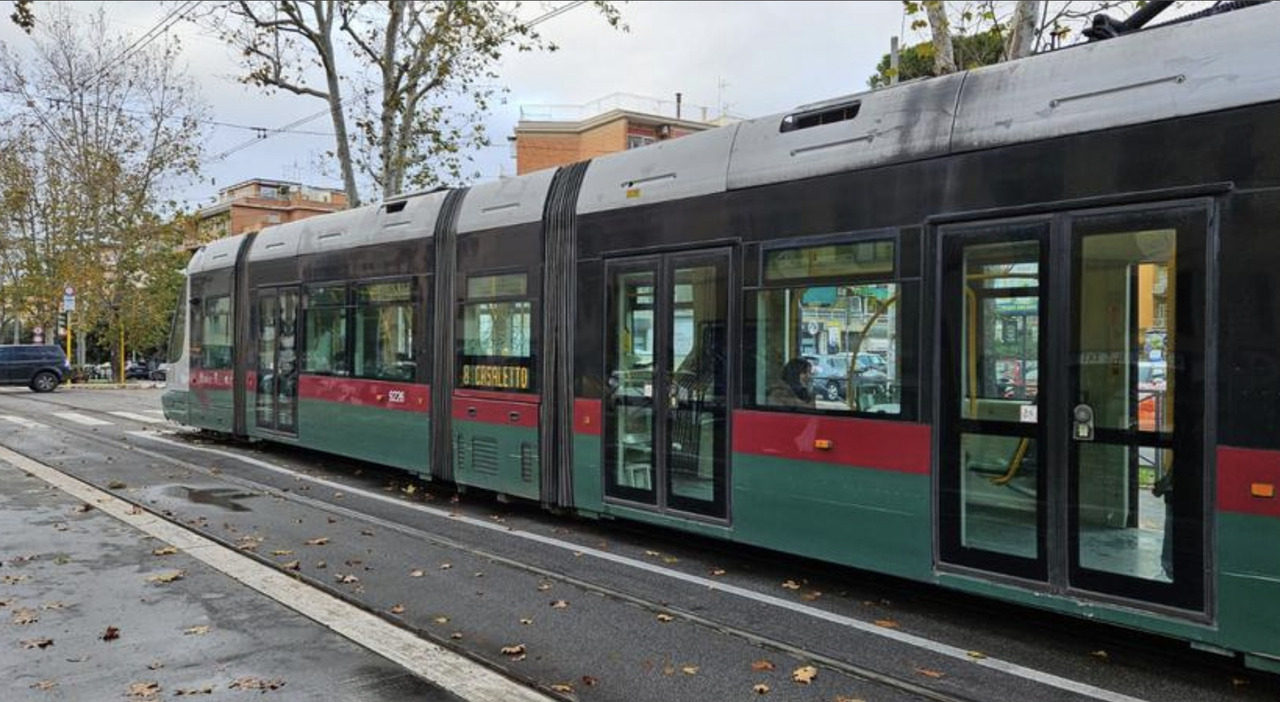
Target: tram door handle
(1082,423)
(513,417)
(472,411)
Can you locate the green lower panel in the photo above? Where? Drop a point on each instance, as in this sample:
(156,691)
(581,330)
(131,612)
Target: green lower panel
(174,403)
(389,437)
(495,457)
(587,487)
(211,409)
(1249,585)
(873,519)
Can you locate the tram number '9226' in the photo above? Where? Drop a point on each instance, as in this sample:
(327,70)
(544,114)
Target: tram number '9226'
(395,396)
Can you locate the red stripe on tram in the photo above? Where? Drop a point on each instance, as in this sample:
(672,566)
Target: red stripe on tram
(1249,481)
(864,443)
(404,397)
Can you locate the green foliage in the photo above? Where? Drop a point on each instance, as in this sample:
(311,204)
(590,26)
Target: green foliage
(916,61)
(83,180)
(23,16)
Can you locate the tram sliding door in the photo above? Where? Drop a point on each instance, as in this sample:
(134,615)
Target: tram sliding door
(667,361)
(276,399)
(1073,402)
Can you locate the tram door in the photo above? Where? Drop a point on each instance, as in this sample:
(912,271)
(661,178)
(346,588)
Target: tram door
(1071,445)
(667,368)
(276,397)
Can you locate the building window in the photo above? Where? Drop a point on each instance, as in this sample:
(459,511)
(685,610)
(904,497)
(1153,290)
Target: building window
(635,141)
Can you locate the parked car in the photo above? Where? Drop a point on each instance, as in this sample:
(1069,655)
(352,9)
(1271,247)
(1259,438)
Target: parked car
(40,367)
(831,373)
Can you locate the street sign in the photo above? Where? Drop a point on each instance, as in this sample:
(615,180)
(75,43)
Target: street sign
(69,303)
(38,330)
(37,338)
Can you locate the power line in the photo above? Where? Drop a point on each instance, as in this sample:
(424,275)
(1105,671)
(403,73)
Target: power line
(160,28)
(240,147)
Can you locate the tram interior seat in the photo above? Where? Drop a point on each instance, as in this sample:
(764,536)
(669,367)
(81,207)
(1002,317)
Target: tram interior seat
(987,458)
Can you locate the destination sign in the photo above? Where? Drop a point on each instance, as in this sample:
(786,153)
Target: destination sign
(497,377)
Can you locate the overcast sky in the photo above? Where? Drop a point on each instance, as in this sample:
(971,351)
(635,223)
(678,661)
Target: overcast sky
(753,58)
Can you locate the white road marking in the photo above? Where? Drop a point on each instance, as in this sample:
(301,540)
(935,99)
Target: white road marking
(138,417)
(24,422)
(81,419)
(1014,669)
(461,676)
(158,412)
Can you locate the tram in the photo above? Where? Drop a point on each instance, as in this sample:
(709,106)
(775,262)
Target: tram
(1052,283)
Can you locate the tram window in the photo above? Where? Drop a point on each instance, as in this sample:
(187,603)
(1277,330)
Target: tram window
(497,334)
(216,338)
(326,336)
(384,331)
(826,333)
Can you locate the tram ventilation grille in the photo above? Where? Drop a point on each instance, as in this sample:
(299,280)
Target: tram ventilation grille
(484,455)
(528,461)
(459,450)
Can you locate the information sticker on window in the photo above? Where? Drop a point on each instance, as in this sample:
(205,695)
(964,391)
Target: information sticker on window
(1028,413)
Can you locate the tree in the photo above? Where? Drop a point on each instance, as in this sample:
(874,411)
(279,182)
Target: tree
(1022,27)
(391,73)
(917,61)
(108,128)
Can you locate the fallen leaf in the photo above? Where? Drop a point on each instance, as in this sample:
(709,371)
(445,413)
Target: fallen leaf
(526,621)
(543,587)
(56,604)
(116,485)
(888,624)
(717,571)
(842,698)
(976,655)
(664,618)
(441,620)
(256,684)
(366,532)
(417,573)
(397,609)
(1239,682)
(761,689)
(165,551)
(811,596)
(82,508)
(410,489)
(135,510)
(182,691)
(292,565)
(479,574)
(318,541)
(144,689)
(791,585)
(346,579)
(517,650)
(111,634)
(562,687)
(670,559)
(61,559)
(43,685)
(689,670)
(929,673)
(653,554)
(559,604)
(589,681)
(761,666)
(321,565)
(14,579)
(167,577)
(37,643)
(282,552)
(456,635)
(200,630)
(24,616)
(155,665)
(1100,655)
(446,566)
(804,674)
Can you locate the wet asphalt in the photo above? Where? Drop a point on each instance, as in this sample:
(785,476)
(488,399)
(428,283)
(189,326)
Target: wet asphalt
(462,571)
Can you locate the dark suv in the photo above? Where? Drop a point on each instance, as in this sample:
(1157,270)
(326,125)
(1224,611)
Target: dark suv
(39,367)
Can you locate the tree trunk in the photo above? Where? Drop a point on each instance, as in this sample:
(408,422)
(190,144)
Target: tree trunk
(1022,33)
(329,60)
(944,55)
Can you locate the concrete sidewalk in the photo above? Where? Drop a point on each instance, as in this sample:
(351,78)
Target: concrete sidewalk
(93,609)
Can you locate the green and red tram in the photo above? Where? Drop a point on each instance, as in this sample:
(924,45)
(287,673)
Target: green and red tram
(1014,331)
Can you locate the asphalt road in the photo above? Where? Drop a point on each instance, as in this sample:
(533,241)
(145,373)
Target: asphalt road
(588,610)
